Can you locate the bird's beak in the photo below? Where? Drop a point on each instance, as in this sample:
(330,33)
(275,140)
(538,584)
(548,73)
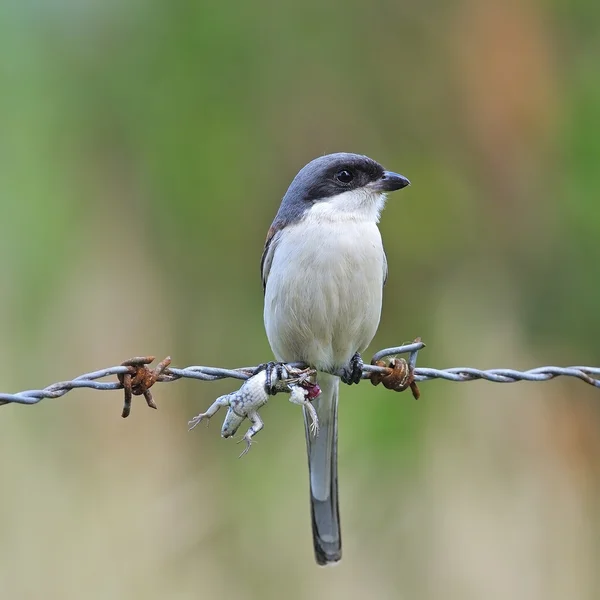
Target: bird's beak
(390,182)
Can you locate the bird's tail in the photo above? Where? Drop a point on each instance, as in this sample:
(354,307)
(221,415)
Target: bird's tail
(322,469)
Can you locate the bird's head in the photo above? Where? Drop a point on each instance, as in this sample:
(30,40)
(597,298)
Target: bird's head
(339,186)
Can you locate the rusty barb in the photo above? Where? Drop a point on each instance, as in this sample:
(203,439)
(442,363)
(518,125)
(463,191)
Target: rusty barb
(399,374)
(136,377)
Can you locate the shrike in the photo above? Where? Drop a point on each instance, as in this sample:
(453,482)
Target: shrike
(323,271)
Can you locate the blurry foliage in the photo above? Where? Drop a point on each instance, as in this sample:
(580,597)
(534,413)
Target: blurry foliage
(144,148)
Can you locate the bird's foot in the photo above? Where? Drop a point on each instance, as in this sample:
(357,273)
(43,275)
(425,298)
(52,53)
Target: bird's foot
(271,368)
(353,372)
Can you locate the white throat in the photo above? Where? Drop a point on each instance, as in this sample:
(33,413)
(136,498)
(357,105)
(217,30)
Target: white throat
(356,205)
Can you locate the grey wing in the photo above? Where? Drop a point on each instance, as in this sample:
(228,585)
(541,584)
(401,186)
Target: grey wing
(267,255)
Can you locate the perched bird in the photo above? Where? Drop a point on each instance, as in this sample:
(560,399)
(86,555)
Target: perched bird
(323,270)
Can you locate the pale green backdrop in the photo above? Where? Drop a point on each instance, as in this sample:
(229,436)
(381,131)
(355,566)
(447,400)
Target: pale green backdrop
(144,149)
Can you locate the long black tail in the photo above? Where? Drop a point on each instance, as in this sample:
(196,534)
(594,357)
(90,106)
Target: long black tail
(322,469)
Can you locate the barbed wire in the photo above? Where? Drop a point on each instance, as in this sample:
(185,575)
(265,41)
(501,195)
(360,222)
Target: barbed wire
(135,378)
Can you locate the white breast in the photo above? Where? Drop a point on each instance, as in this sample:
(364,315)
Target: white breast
(324,289)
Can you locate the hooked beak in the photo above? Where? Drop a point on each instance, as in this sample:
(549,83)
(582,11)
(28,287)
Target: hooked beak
(390,182)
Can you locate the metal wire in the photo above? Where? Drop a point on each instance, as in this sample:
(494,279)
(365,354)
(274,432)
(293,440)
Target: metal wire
(590,375)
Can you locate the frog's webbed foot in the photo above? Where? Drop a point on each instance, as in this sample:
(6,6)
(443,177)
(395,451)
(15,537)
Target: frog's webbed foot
(211,412)
(256,426)
(300,395)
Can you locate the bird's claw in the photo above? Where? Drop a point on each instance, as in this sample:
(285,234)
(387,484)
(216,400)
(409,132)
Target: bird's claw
(353,372)
(271,368)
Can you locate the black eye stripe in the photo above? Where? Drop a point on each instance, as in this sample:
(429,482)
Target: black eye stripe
(325,181)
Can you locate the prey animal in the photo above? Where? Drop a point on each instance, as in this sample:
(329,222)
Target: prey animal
(254,393)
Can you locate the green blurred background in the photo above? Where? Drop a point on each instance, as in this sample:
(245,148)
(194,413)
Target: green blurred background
(144,149)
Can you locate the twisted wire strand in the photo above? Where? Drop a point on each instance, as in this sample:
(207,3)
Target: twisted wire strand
(590,375)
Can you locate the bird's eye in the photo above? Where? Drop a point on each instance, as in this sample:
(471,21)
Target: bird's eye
(344,176)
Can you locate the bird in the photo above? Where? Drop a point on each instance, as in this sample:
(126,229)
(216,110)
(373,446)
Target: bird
(323,270)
